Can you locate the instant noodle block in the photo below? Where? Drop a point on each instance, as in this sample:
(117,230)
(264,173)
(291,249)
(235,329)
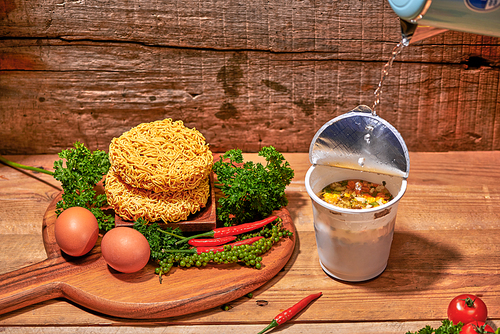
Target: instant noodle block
(160,171)
(161,156)
(132,203)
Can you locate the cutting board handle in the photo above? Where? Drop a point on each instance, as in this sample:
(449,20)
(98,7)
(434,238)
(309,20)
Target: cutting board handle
(29,285)
(89,282)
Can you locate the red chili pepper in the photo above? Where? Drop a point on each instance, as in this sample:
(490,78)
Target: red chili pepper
(232,230)
(291,312)
(215,249)
(211,242)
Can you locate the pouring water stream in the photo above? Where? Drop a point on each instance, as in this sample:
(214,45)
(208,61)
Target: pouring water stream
(407,30)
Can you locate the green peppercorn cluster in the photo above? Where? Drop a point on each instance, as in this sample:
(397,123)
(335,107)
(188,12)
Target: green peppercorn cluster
(271,230)
(249,255)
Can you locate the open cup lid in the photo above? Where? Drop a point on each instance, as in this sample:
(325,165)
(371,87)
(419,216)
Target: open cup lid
(363,141)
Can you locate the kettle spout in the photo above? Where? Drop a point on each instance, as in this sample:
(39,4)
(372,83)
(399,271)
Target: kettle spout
(412,32)
(407,31)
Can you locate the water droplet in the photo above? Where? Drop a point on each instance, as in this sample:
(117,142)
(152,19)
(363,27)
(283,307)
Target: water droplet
(367,138)
(358,186)
(361,162)
(369,127)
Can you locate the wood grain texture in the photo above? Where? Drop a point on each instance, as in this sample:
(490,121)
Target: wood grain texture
(424,268)
(89,282)
(296,328)
(245,74)
(445,243)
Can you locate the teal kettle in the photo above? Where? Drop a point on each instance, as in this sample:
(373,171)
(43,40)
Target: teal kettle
(472,16)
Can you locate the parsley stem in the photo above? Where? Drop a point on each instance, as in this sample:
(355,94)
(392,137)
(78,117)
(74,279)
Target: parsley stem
(16,165)
(166,232)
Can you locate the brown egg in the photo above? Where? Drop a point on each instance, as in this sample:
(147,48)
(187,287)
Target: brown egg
(125,249)
(76,231)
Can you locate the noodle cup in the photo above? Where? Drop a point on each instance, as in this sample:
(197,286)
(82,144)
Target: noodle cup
(353,244)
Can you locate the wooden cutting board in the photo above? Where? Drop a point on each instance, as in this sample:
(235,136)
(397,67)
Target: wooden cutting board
(90,282)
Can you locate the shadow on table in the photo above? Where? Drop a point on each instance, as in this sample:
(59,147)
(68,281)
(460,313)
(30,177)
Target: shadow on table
(416,263)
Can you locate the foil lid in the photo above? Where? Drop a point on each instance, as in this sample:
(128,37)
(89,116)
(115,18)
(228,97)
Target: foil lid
(363,141)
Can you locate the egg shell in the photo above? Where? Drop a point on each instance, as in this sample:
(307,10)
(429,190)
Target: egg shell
(126,250)
(76,231)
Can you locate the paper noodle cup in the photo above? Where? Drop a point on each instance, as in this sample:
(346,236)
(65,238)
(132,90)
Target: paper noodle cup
(353,244)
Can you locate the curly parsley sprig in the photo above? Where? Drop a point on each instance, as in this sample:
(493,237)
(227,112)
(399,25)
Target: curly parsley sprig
(83,170)
(447,327)
(160,239)
(251,190)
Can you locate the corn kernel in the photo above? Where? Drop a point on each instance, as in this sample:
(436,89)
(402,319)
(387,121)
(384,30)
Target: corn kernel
(331,198)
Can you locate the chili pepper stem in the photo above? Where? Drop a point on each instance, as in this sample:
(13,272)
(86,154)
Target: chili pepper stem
(291,311)
(273,324)
(16,165)
(206,234)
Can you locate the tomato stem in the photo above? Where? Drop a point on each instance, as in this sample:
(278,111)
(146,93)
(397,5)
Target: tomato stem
(469,301)
(481,329)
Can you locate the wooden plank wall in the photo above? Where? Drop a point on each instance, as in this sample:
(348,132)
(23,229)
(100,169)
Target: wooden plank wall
(245,73)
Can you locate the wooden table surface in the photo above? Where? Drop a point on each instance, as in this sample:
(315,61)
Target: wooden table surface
(446,242)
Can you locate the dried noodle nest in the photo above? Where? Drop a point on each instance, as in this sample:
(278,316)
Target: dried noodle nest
(159,171)
(133,203)
(161,156)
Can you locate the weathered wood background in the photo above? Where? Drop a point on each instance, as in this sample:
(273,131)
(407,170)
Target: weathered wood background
(245,73)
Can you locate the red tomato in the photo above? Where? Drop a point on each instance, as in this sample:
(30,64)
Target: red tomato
(467,308)
(476,327)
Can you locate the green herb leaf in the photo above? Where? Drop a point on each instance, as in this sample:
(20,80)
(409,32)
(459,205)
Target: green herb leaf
(160,239)
(447,327)
(251,191)
(78,177)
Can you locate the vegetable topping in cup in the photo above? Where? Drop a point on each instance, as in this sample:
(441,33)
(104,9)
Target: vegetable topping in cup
(355,194)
